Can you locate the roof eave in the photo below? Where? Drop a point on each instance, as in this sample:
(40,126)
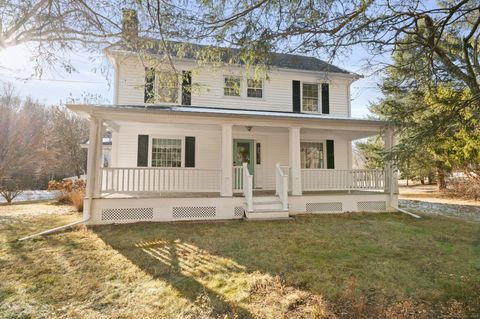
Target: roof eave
(90,110)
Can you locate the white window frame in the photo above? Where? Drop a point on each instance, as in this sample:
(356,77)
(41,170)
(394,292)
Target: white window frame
(319,105)
(240,89)
(156,87)
(254,97)
(169,137)
(324,149)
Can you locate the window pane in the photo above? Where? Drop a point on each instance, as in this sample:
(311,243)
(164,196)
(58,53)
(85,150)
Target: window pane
(231,86)
(254,88)
(166,152)
(167,87)
(311,155)
(310,97)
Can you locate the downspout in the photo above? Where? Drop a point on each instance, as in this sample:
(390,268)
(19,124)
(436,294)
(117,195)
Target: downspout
(95,130)
(53,230)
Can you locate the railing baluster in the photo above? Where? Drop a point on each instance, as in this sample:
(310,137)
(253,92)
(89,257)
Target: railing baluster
(325,179)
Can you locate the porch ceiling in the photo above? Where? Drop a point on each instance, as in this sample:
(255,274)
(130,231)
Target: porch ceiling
(309,123)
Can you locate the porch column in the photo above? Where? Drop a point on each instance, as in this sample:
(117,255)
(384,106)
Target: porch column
(294,155)
(99,159)
(94,147)
(227,160)
(392,188)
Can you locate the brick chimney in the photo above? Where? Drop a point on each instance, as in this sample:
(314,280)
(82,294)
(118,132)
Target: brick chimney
(129,25)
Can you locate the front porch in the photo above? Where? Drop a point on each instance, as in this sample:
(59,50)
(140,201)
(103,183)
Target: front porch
(187,182)
(221,168)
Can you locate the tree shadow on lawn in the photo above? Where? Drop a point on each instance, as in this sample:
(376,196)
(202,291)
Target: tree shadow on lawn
(175,253)
(192,272)
(342,258)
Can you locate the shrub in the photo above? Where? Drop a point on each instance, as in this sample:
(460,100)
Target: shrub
(467,187)
(76,198)
(70,192)
(9,189)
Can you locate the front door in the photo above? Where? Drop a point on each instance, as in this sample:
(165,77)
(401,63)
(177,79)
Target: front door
(243,153)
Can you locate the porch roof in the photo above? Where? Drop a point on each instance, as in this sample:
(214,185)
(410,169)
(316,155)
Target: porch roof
(218,112)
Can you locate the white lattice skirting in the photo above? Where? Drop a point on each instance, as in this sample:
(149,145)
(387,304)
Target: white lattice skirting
(372,206)
(316,204)
(331,207)
(194,212)
(121,214)
(128,210)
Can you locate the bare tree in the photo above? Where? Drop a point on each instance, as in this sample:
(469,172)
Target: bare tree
(19,138)
(9,189)
(67,131)
(55,27)
(20,141)
(447,33)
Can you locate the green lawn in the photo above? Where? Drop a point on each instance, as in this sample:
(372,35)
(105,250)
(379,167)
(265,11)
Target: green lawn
(352,265)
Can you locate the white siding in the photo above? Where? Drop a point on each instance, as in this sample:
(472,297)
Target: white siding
(208,87)
(208,145)
(207,142)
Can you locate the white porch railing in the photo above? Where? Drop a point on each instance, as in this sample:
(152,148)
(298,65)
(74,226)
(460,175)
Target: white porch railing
(248,187)
(237,178)
(333,179)
(159,179)
(281,185)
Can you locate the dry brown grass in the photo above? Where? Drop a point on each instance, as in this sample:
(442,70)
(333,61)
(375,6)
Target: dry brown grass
(358,265)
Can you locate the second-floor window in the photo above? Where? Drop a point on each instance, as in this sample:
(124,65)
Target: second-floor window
(254,88)
(231,86)
(310,97)
(166,87)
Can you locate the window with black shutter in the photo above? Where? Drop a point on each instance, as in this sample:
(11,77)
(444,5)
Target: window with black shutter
(325,98)
(296,96)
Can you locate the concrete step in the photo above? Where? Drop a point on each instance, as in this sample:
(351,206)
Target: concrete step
(267,214)
(266,206)
(261,199)
(267,202)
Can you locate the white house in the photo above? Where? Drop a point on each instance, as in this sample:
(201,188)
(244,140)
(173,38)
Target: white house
(237,147)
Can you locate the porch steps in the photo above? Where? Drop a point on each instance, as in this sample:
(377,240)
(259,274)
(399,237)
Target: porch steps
(267,208)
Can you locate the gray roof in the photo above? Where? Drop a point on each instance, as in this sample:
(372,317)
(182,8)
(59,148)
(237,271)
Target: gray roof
(191,50)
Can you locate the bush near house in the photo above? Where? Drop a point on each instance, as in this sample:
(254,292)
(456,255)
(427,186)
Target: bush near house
(467,187)
(71,192)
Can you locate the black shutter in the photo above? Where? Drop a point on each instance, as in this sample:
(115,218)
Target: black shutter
(330,154)
(296,96)
(325,98)
(142,151)
(186,88)
(149,95)
(189,151)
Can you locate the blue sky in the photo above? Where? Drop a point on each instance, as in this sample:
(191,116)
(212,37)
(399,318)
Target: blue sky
(56,87)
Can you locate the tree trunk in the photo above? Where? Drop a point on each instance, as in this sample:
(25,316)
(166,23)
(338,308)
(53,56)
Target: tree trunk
(430,179)
(441,183)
